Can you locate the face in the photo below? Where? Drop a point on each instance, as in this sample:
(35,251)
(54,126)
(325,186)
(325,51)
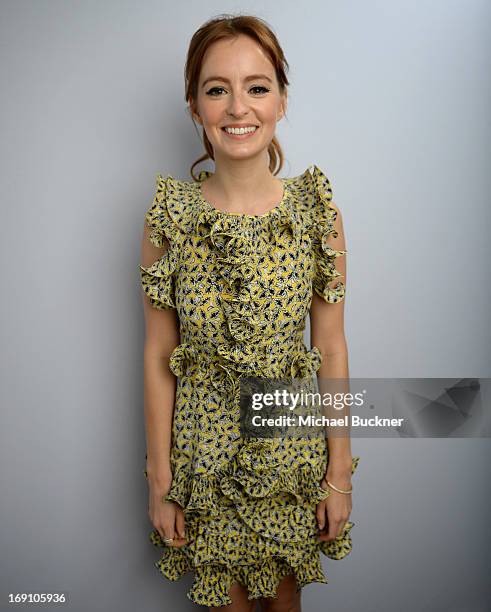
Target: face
(238,87)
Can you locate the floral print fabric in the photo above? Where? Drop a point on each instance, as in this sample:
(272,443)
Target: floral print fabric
(242,287)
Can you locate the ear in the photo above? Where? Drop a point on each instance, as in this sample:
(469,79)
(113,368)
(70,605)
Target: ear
(283,107)
(194,113)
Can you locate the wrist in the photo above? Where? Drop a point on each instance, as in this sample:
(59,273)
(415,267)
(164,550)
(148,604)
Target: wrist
(161,486)
(339,472)
(339,463)
(159,476)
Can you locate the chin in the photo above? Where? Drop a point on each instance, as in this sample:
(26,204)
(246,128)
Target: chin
(243,154)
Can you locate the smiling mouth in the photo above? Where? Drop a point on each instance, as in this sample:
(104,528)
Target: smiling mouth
(241,132)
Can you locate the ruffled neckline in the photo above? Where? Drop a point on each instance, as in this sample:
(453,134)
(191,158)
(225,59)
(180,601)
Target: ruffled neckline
(306,210)
(203,202)
(181,209)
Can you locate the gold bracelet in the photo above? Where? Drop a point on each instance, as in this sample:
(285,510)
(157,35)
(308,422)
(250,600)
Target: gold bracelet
(336,489)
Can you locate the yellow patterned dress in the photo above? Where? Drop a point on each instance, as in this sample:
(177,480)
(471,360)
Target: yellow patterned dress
(242,286)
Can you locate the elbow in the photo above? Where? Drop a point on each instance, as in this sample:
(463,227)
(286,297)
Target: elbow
(157,351)
(333,346)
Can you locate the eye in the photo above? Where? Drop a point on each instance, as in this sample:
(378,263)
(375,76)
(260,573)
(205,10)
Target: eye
(213,89)
(261,87)
(257,89)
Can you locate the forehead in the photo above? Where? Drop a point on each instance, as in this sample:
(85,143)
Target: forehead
(235,58)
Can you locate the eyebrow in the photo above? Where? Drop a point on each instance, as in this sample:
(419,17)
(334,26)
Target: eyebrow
(251,77)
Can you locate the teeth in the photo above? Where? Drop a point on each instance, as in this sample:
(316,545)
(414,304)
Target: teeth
(240,130)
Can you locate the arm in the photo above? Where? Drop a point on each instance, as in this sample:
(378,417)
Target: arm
(161,337)
(327,333)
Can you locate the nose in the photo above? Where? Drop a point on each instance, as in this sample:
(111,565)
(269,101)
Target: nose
(237,104)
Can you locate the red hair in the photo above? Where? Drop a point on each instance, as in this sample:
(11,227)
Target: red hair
(227,27)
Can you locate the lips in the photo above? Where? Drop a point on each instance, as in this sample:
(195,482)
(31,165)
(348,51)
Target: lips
(238,128)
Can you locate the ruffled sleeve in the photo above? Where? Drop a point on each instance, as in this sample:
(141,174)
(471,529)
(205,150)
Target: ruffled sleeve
(158,280)
(323,217)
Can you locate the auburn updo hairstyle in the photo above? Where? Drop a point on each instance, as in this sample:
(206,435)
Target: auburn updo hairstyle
(227,26)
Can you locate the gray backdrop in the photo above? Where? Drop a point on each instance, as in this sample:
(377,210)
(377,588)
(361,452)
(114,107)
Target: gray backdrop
(391,100)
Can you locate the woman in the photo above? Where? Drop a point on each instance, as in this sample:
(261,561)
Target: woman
(231,264)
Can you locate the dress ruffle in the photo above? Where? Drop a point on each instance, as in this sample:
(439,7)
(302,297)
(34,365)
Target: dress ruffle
(278,535)
(231,238)
(321,228)
(158,280)
(212,579)
(179,208)
(259,500)
(159,217)
(306,363)
(186,358)
(237,266)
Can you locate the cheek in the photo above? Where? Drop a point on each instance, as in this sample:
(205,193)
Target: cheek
(211,115)
(268,113)
(210,112)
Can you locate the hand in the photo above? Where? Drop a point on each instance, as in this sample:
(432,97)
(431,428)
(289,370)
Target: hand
(167,517)
(333,512)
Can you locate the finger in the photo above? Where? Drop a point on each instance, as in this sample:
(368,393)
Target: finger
(321,514)
(169,533)
(165,536)
(179,542)
(180,524)
(323,537)
(335,528)
(342,527)
(161,533)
